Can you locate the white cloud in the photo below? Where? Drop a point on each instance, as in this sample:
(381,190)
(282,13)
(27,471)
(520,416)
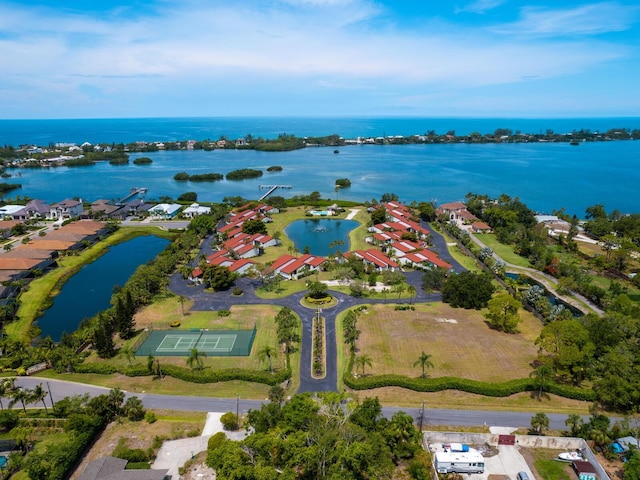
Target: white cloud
(590,19)
(310,47)
(480,6)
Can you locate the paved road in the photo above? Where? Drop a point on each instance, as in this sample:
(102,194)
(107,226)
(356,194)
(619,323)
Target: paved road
(548,281)
(213,301)
(60,389)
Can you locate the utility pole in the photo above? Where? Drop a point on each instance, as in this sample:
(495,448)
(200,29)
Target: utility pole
(238,409)
(53,405)
(421,417)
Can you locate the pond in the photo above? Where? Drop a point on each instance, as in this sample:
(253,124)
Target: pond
(318,234)
(89,291)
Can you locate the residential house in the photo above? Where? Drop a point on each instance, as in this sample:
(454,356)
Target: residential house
(7,211)
(165,211)
(195,209)
(292,268)
(65,209)
(111,468)
(34,209)
(6,227)
(374,258)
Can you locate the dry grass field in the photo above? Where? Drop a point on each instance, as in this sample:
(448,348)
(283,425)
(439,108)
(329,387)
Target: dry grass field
(460,342)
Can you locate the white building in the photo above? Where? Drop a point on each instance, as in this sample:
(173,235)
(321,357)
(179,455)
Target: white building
(459,462)
(195,209)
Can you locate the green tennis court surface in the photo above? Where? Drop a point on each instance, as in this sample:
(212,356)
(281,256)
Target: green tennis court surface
(179,343)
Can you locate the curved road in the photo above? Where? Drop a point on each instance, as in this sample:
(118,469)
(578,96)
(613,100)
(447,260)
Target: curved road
(212,301)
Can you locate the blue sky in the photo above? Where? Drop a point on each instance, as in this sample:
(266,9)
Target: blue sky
(446,58)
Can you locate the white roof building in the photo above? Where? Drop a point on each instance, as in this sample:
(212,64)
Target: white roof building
(195,209)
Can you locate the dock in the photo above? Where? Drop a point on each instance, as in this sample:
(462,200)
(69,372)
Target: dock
(132,193)
(272,188)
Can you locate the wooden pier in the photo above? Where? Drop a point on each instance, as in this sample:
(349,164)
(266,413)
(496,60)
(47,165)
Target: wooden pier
(272,188)
(132,193)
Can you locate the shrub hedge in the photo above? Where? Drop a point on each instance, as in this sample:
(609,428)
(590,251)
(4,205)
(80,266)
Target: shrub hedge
(438,384)
(181,373)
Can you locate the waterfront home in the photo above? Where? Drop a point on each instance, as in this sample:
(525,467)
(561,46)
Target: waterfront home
(66,209)
(196,209)
(165,211)
(34,209)
(457,212)
(7,211)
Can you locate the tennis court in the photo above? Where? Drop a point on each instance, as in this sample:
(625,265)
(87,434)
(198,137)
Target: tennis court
(179,343)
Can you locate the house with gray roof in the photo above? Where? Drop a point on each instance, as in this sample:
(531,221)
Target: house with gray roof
(111,468)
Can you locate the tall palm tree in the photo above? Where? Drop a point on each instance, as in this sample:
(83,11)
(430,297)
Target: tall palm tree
(127,351)
(267,352)
(363,361)
(182,299)
(19,395)
(195,358)
(411,290)
(7,386)
(541,376)
(38,395)
(424,360)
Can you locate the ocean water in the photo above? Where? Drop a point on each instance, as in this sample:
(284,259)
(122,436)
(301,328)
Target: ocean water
(126,130)
(546,176)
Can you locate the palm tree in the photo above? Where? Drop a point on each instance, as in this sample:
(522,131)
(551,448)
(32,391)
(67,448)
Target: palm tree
(19,395)
(7,386)
(195,358)
(363,361)
(182,299)
(574,422)
(267,352)
(127,351)
(150,361)
(38,395)
(424,361)
(411,290)
(541,376)
(540,422)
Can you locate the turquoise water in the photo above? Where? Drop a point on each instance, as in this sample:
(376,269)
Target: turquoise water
(89,291)
(319,233)
(125,130)
(546,176)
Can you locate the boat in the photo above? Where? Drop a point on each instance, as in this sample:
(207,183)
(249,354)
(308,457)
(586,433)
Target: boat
(570,456)
(574,142)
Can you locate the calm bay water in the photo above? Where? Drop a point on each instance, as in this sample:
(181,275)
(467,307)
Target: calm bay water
(546,176)
(318,233)
(89,291)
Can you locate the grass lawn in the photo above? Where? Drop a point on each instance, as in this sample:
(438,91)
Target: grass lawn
(548,468)
(504,251)
(160,314)
(41,289)
(460,342)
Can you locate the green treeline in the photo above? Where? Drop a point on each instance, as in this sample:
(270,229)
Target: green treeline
(243,173)
(8,187)
(201,177)
(142,161)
